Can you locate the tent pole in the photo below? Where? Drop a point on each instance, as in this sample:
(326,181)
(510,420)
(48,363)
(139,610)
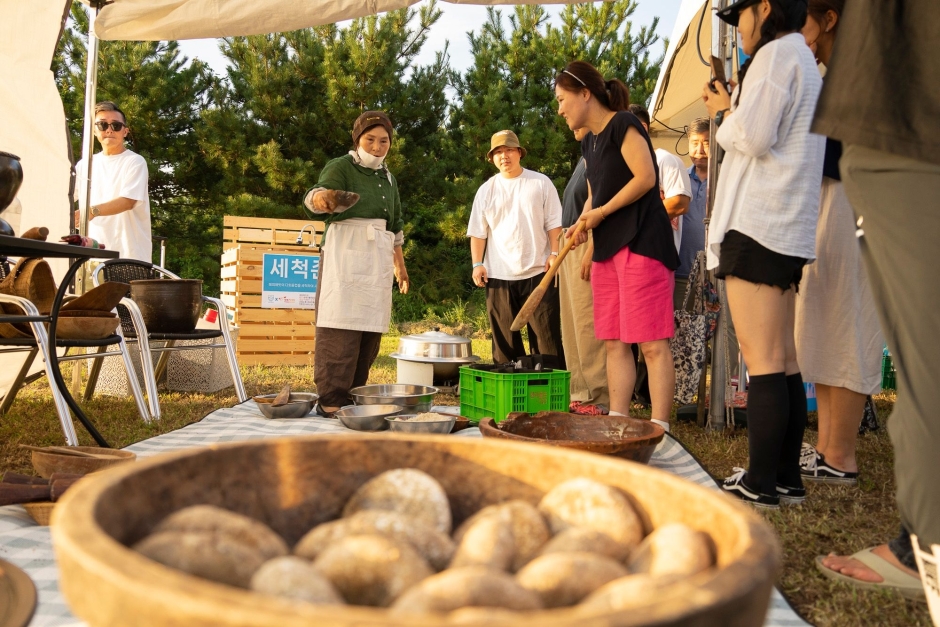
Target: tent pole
(88,137)
(88,146)
(722,52)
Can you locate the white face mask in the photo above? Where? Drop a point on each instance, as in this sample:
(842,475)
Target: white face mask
(369,160)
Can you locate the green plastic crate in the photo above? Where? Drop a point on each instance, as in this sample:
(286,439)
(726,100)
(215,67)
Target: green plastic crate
(889,376)
(495,395)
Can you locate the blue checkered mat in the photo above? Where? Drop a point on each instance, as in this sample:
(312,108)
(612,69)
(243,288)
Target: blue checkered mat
(29,546)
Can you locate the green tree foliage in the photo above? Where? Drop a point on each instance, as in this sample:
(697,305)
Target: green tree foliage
(252,142)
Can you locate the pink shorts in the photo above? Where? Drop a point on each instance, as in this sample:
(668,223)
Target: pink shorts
(632,298)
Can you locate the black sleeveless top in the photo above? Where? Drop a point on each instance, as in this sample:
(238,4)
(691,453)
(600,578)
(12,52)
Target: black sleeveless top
(643,225)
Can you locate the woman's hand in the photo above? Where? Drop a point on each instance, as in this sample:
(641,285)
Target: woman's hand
(586,264)
(592,219)
(479,276)
(401,275)
(716,102)
(333,201)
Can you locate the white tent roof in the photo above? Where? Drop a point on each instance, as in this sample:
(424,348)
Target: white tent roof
(197,19)
(677,99)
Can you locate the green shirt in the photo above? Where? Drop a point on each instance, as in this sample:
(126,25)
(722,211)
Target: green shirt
(377,189)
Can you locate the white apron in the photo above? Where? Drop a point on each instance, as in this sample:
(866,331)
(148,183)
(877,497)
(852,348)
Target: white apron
(358,272)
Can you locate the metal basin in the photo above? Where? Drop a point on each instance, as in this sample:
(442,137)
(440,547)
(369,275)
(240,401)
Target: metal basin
(299,406)
(366,417)
(446,352)
(401,423)
(414,399)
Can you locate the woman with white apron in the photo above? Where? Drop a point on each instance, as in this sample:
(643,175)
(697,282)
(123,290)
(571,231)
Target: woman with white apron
(361,255)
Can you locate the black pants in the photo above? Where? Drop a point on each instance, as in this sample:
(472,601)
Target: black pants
(342,361)
(504,299)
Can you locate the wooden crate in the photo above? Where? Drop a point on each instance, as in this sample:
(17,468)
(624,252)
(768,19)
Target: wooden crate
(266,336)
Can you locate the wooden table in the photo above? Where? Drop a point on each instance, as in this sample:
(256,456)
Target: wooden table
(20,247)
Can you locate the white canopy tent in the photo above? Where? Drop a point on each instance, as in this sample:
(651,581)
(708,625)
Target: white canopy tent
(677,99)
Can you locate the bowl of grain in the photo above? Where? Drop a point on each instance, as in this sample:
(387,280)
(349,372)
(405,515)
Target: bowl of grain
(427,422)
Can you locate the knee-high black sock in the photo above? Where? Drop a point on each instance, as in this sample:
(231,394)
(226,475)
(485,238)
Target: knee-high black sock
(788,470)
(768,414)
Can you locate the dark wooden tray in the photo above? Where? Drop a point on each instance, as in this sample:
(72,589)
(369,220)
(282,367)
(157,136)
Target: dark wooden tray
(629,438)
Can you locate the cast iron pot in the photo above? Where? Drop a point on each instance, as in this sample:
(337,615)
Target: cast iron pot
(11,176)
(168,305)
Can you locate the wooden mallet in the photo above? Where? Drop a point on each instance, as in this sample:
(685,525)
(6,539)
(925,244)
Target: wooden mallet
(532,302)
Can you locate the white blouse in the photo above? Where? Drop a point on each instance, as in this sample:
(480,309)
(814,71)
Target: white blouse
(770,180)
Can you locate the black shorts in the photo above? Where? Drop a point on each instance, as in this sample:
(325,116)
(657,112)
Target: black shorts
(743,258)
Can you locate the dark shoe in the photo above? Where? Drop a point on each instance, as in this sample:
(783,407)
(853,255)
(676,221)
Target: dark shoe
(790,496)
(321,412)
(813,467)
(735,485)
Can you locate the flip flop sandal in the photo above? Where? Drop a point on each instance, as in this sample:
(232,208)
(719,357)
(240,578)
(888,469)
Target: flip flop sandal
(895,579)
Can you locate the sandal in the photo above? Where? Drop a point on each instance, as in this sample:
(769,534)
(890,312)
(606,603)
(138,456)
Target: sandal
(895,579)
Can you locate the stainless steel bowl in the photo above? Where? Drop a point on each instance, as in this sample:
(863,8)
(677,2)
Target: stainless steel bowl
(446,352)
(299,406)
(401,423)
(366,417)
(414,399)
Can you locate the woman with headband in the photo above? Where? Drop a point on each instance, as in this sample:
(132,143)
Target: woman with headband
(634,256)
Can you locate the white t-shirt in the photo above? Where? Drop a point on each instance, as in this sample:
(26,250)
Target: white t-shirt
(770,177)
(514,216)
(114,176)
(673,181)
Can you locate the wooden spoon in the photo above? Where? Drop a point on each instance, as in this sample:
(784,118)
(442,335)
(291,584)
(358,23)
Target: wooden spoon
(283,397)
(65,450)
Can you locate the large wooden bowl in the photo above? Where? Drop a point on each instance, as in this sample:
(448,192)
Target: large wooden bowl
(293,484)
(48,462)
(629,438)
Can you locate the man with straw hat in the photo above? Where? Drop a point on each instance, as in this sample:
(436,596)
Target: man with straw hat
(514,230)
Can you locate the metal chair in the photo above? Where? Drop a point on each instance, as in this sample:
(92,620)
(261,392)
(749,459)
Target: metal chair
(40,343)
(133,329)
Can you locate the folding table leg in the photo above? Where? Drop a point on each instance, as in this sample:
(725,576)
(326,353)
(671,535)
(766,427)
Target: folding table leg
(17,382)
(93,373)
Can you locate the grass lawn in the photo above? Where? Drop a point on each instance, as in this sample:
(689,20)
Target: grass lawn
(832,518)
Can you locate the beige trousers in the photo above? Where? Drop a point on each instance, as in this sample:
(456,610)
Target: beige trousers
(585,355)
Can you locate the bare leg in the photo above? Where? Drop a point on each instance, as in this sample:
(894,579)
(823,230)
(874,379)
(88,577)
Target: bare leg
(621,375)
(845,415)
(824,413)
(662,377)
(761,315)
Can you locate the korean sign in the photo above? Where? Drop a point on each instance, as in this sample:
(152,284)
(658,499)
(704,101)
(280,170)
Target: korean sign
(289,281)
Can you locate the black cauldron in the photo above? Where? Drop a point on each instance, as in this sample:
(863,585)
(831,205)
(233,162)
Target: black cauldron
(168,305)
(11,177)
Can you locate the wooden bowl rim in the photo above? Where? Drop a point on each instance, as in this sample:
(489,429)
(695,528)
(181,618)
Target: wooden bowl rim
(79,539)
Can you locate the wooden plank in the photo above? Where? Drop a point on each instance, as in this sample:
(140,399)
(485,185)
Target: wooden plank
(241,286)
(254,253)
(281,345)
(269,236)
(286,331)
(275,223)
(229,246)
(261,359)
(251,314)
(230,302)
(230,271)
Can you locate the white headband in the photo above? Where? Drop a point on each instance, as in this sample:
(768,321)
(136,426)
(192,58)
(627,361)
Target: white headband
(574,77)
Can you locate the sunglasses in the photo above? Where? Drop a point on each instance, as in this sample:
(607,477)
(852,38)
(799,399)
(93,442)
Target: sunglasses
(114,126)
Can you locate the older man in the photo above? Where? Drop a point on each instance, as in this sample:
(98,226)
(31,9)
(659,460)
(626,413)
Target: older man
(514,231)
(119,215)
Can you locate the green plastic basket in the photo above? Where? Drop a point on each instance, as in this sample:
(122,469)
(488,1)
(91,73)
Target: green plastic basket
(485,394)
(889,375)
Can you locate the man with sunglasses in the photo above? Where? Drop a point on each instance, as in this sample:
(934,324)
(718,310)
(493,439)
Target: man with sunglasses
(119,215)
